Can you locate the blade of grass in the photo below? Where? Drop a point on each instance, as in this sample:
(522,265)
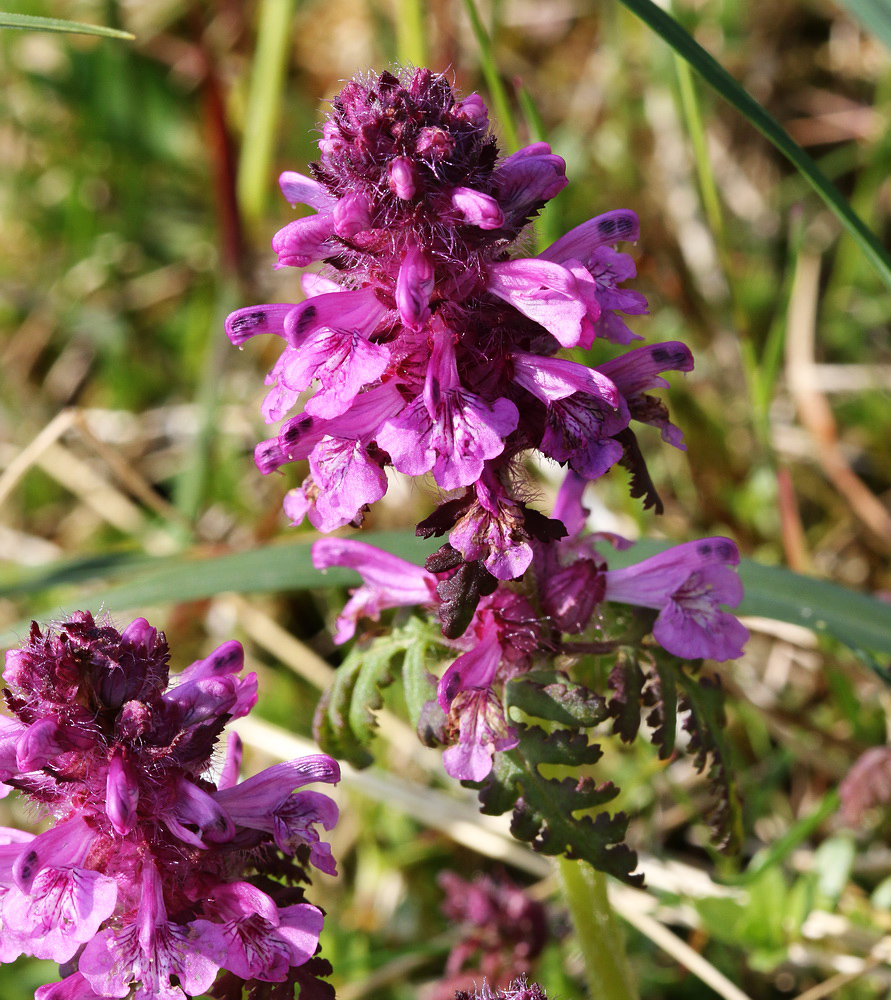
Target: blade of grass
(32,22)
(707,66)
(547,225)
(263,106)
(493,79)
(411,38)
(856,619)
(783,846)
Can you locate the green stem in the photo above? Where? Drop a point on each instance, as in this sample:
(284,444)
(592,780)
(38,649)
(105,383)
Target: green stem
(411,38)
(263,106)
(597,931)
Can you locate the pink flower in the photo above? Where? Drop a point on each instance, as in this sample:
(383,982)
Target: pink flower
(687,585)
(427,310)
(125,888)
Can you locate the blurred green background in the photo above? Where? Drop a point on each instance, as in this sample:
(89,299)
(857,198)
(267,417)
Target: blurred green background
(138,196)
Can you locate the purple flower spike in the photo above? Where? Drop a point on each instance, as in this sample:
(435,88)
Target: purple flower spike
(688,584)
(126,890)
(428,306)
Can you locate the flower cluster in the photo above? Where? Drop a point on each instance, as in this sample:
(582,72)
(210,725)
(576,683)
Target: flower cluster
(142,885)
(514,626)
(433,346)
(502,930)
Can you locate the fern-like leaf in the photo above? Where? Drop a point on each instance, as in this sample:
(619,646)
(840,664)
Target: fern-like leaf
(626,681)
(544,808)
(661,697)
(553,814)
(703,699)
(345,718)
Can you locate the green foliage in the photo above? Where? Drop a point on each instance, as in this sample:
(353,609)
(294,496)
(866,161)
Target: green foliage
(543,808)
(31,22)
(685,45)
(345,718)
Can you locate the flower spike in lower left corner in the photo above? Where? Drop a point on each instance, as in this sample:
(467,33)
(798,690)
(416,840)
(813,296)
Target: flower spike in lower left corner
(153,876)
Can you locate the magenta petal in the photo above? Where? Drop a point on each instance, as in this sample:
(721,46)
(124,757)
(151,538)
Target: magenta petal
(67,843)
(115,960)
(529,177)
(482,729)
(347,478)
(152,951)
(39,744)
(687,584)
(547,293)
(473,109)
(63,910)
(259,794)
(568,506)
(352,214)
(358,310)
(299,189)
(581,242)
(73,987)
(473,669)
(11,731)
(225,659)
(344,362)
(243,324)
(232,763)
(304,240)
(301,925)
(414,287)
(706,632)
(121,796)
(196,808)
(388,581)
(403,178)
(475,208)
(551,379)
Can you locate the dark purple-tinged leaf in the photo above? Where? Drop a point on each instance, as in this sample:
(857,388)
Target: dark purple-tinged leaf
(703,700)
(641,484)
(626,681)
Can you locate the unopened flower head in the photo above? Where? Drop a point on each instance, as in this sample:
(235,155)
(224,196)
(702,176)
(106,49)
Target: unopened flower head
(149,880)
(432,343)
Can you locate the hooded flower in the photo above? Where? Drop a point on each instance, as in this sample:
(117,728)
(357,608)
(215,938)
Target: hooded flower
(431,345)
(687,585)
(142,886)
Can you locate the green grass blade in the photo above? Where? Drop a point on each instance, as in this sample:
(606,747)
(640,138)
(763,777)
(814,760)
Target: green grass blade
(671,32)
(874,15)
(264,106)
(132,583)
(493,79)
(31,22)
(856,619)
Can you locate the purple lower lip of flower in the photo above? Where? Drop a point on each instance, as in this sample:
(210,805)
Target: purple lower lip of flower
(687,584)
(447,429)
